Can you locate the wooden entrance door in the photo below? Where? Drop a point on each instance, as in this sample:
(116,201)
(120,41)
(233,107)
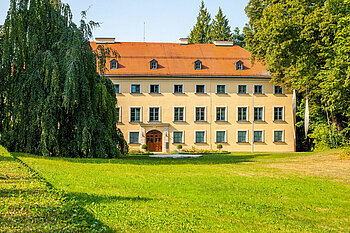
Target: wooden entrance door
(154,141)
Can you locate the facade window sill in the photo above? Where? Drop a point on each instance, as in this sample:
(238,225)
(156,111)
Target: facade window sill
(134,144)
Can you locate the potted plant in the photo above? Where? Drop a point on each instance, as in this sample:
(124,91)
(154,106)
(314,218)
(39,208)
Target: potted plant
(219,146)
(179,147)
(144,147)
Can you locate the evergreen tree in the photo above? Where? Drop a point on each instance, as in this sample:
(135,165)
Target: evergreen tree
(220,30)
(56,103)
(238,38)
(201,31)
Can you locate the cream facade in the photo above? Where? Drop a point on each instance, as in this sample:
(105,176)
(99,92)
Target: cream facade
(224,121)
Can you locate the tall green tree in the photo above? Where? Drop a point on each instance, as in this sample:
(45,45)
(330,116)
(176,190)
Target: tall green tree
(201,31)
(305,46)
(238,37)
(220,29)
(56,103)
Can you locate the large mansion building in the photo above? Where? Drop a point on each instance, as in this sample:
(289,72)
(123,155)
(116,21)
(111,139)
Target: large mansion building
(197,95)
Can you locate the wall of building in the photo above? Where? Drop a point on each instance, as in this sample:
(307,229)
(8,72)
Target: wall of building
(166,99)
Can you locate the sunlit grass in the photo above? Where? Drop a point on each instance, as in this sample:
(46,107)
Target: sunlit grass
(215,193)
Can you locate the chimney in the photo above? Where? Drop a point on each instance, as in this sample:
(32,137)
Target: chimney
(223,43)
(184,41)
(105,40)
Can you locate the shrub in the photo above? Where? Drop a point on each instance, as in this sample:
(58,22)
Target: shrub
(144,147)
(219,146)
(179,147)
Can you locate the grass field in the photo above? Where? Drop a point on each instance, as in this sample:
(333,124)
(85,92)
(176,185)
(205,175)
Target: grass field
(304,192)
(27,204)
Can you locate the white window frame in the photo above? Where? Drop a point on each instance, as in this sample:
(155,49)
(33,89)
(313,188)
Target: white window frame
(184,116)
(141,115)
(159,113)
(262,88)
(216,108)
(262,136)
(205,136)
(274,90)
(205,89)
(216,136)
(110,64)
(283,134)
(135,92)
(247,119)
(217,88)
(263,113)
(183,136)
(150,88)
(246,136)
(183,88)
(246,88)
(120,114)
(273,113)
(205,113)
(134,131)
(114,84)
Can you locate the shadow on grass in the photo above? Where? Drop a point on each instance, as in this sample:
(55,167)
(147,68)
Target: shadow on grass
(100,198)
(145,160)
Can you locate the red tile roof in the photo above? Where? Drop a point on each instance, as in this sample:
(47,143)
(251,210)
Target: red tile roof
(175,59)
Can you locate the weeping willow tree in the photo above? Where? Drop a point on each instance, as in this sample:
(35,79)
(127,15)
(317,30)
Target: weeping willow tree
(54,102)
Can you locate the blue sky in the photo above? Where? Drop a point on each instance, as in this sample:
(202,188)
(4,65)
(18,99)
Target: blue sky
(166,21)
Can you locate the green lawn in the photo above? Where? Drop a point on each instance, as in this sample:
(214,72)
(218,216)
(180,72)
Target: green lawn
(27,204)
(215,193)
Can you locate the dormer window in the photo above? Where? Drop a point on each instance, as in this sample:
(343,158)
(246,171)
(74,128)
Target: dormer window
(198,65)
(239,65)
(114,64)
(153,64)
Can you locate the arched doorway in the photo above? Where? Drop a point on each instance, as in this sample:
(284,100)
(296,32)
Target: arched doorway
(154,141)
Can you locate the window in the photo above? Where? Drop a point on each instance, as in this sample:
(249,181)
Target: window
(278,114)
(258,113)
(198,65)
(200,113)
(114,64)
(278,90)
(179,113)
(220,136)
(258,89)
(135,114)
(221,89)
(258,136)
(200,88)
(154,114)
(220,113)
(177,137)
(239,65)
(242,114)
(242,136)
(278,136)
(154,88)
(200,136)
(135,88)
(133,137)
(153,64)
(178,88)
(119,118)
(116,88)
(242,89)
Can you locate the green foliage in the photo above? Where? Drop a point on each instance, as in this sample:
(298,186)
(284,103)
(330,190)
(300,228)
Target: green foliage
(56,103)
(238,37)
(220,30)
(305,45)
(239,192)
(179,146)
(219,146)
(201,31)
(144,147)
